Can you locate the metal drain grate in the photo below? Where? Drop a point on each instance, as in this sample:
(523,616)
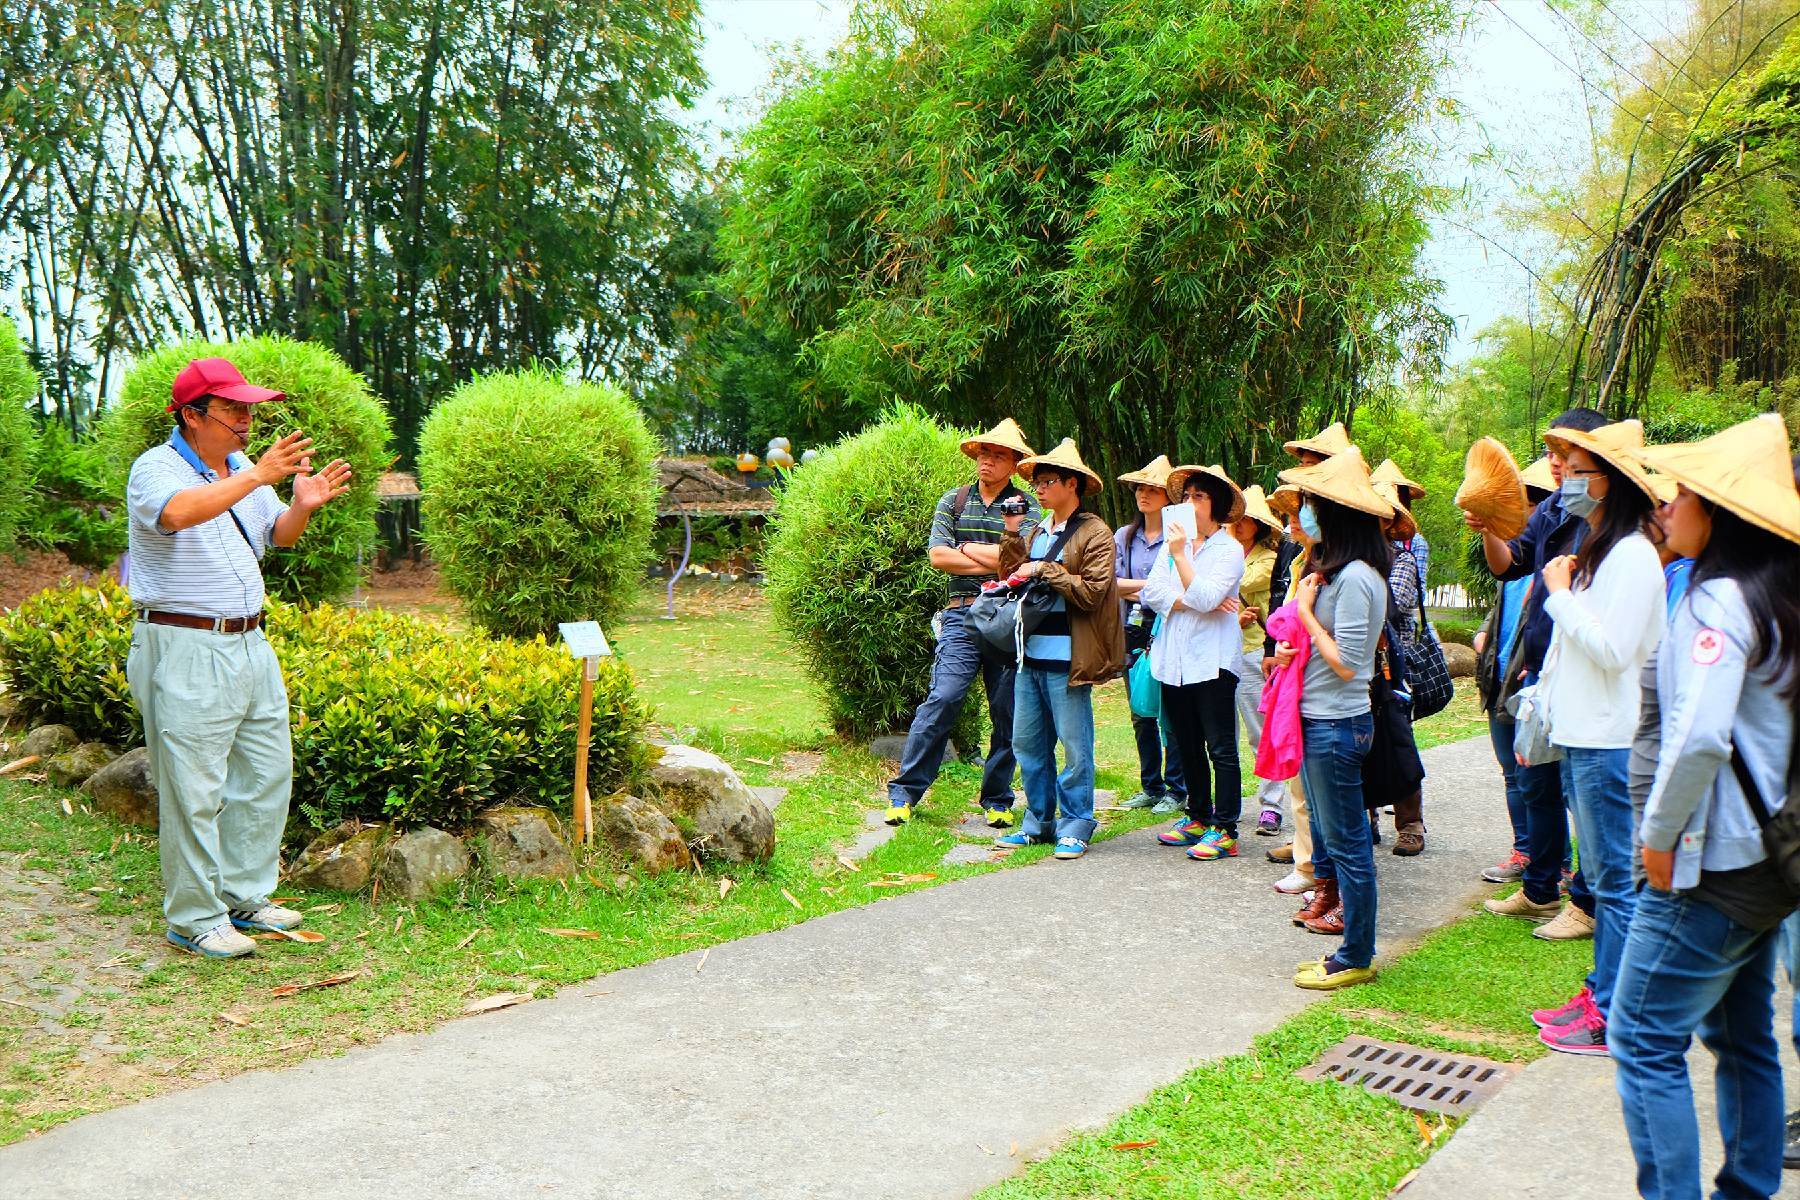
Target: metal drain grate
(1415,1076)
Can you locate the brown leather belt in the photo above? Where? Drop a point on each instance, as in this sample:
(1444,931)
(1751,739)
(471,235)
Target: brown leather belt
(960,602)
(189,621)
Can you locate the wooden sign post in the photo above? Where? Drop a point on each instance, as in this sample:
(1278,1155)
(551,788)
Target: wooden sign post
(586,642)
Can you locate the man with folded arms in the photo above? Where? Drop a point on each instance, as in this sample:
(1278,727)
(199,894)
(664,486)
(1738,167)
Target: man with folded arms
(201,670)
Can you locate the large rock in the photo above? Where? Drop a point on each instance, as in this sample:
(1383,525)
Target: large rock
(125,788)
(640,832)
(701,792)
(419,863)
(1460,660)
(524,843)
(72,768)
(341,859)
(47,741)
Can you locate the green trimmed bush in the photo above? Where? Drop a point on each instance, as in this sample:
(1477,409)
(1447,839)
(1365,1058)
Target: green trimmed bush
(539,500)
(847,570)
(18,387)
(395,718)
(325,398)
(72,507)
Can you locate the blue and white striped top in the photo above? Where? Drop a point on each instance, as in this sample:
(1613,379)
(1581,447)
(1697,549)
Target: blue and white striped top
(211,569)
(1049,648)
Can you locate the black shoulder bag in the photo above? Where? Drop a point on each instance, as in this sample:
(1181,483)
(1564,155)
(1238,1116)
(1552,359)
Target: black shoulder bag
(1006,616)
(1780,829)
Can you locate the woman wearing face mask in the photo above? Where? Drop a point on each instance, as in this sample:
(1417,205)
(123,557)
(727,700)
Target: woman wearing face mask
(1700,955)
(1606,602)
(1196,657)
(1343,604)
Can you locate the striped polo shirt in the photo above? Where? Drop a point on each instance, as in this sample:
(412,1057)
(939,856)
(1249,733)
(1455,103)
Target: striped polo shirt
(211,569)
(1049,648)
(980,522)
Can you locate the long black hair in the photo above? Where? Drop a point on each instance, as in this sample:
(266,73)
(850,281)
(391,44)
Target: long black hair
(1625,511)
(1346,536)
(1764,565)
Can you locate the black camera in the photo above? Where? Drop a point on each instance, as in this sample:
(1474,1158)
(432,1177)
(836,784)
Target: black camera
(1014,506)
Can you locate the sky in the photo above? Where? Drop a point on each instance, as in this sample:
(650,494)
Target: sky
(1523,118)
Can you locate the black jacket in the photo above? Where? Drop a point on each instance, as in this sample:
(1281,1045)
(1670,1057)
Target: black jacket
(1550,533)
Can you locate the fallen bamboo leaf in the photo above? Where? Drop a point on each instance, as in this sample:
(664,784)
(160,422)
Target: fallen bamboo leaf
(311,937)
(830,891)
(725,886)
(19,764)
(1424,1129)
(284,899)
(790,897)
(293,1045)
(983,1148)
(68,809)
(574,933)
(761,762)
(848,864)
(289,989)
(497,1000)
(1133,1145)
(702,962)
(329,910)
(231,1018)
(398,921)
(685,936)
(469,937)
(1012,1151)
(902,881)
(375,892)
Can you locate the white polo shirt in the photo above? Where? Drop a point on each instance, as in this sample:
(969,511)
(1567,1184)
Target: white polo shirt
(211,569)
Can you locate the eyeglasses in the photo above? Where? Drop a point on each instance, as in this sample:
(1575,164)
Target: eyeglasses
(1581,474)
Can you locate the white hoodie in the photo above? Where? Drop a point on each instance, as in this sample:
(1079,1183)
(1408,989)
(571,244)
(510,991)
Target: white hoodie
(1604,633)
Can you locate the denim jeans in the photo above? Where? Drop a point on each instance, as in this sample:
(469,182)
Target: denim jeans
(1203,718)
(1790,950)
(1270,795)
(1046,710)
(1689,968)
(1159,761)
(1500,732)
(954,666)
(1546,829)
(1601,801)
(1342,845)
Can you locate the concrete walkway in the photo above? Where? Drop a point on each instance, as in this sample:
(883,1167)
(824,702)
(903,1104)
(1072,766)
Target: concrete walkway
(922,1046)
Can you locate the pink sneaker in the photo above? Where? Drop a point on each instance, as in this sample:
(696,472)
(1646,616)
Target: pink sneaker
(1550,1018)
(1586,1034)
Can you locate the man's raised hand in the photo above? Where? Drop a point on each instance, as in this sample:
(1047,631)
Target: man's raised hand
(287,456)
(314,491)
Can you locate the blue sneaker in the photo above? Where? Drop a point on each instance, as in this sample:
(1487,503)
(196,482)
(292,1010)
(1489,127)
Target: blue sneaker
(1070,848)
(1019,840)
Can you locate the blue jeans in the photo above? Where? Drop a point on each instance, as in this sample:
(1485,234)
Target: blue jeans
(1342,844)
(954,665)
(1790,949)
(1546,829)
(1159,762)
(1046,710)
(1689,968)
(1601,801)
(1500,732)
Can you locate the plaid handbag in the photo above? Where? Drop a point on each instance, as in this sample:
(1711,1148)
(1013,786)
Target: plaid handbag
(1426,672)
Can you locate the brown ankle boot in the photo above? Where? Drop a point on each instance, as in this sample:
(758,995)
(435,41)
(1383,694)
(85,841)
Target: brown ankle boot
(1325,898)
(1332,923)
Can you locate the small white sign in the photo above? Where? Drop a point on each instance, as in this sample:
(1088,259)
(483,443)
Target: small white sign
(584,639)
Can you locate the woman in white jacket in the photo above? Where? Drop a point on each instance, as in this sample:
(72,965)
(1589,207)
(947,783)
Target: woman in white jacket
(1607,603)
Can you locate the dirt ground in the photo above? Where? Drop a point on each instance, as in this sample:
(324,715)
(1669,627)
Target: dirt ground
(32,571)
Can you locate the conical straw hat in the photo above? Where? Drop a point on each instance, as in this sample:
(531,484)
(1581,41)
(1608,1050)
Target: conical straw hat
(1256,507)
(1155,473)
(1284,501)
(1344,479)
(1389,472)
(1538,476)
(1333,439)
(1616,444)
(1492,490)
(1068,458)
(1006,435)
(1401,527)
(1178,481)
(1745,469)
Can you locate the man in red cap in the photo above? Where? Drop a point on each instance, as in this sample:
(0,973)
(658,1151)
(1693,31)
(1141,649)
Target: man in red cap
(203,674)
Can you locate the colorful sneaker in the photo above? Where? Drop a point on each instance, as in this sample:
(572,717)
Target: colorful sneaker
(1508,869)
(899,813)
(221,941)
(1169,804)
(1000,818)
(1269,823)
(1018,841)
(1070,848)
(1141,800)
(1568,877)
(1544,1018)
(1214,844)
(1586,1034)
(265,917)
(1183,833)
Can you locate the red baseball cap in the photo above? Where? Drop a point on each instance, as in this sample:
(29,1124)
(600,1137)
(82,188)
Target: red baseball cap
(216,377)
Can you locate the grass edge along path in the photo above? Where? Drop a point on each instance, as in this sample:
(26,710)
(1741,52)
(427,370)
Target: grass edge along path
(1247,1126)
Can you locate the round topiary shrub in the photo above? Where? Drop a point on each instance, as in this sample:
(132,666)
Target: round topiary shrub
(848,574)
(325,398)
(18,387)
(539,500)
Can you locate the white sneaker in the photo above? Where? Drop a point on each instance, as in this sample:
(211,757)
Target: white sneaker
(1293,883)
(221,941)
(265,917)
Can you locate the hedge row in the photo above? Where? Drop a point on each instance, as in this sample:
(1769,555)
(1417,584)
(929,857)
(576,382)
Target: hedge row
(394,717)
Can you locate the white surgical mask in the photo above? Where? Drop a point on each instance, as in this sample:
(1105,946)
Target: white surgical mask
(1309,522)
(1575,498)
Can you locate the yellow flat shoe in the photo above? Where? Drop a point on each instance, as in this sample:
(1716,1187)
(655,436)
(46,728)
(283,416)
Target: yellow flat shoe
(1318,981)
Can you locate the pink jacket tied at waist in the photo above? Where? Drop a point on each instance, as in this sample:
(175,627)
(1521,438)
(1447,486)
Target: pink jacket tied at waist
(1282,748)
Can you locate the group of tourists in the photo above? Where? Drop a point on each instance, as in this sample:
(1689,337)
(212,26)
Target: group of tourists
(1639,670)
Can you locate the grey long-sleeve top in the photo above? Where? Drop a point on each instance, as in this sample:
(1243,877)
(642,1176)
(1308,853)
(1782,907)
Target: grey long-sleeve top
(1709,695)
